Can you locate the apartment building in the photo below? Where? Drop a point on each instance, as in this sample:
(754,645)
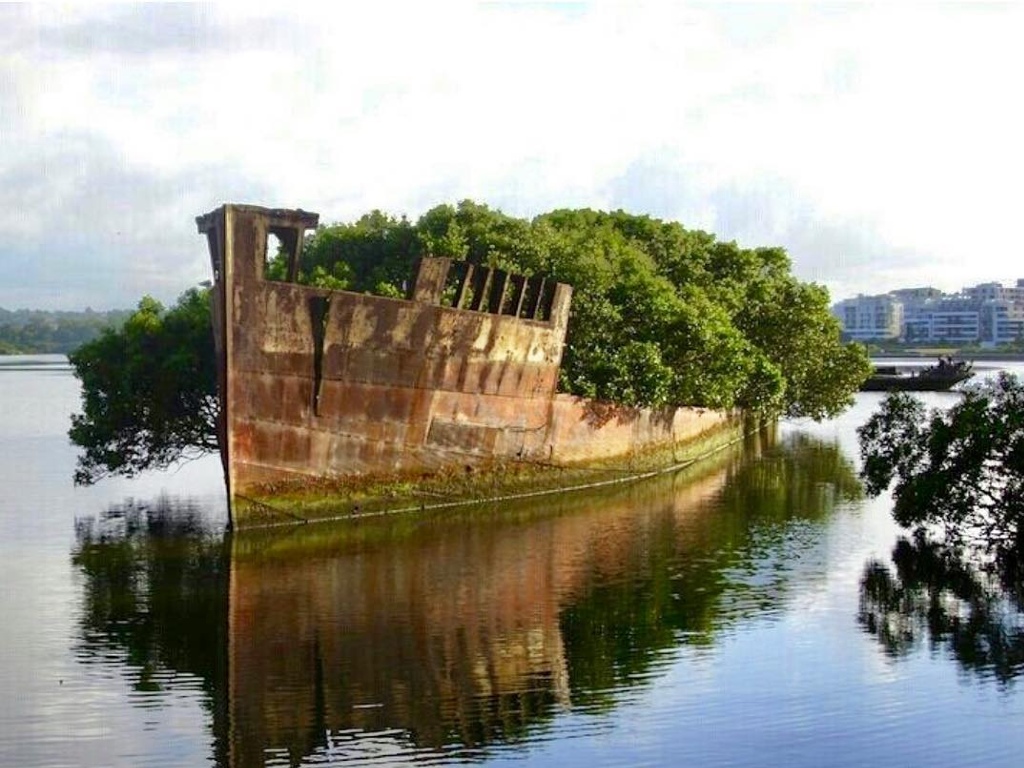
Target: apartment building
(996,292)
(1002,322)
(953,320)
(866,318)
(988,313)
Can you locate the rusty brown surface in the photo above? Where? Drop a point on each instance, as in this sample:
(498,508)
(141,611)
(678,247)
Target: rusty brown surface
(321,383)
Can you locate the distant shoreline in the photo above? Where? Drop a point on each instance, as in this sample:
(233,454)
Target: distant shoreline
(987,355)
(4,355)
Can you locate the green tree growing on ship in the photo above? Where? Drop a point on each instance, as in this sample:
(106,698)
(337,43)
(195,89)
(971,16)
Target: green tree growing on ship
(661,316)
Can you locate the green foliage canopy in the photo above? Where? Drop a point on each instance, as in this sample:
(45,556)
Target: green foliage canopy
(149,393)
(960,469)
(661,316)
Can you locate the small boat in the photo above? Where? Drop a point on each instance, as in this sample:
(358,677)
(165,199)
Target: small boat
(946,374)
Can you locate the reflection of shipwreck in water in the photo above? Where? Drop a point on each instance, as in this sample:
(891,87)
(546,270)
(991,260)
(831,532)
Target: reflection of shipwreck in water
(440,640)
(317,383)
(448,636)
(455,636)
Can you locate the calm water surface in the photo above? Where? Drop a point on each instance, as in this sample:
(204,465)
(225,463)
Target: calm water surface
(750,612)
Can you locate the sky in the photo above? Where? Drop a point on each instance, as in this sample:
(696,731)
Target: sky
(881,145)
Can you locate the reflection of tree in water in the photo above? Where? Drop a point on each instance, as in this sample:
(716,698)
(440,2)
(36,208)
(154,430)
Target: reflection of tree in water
(938,595)
(690,581)
(156,595)
(801,478)
(454,633)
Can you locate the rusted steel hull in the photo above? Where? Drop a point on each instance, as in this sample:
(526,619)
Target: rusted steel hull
(331,384)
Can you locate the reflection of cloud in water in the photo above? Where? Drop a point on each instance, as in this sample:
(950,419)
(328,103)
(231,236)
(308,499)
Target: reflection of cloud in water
(455,631)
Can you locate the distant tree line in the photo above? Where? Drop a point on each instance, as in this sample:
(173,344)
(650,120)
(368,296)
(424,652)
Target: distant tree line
(36,331)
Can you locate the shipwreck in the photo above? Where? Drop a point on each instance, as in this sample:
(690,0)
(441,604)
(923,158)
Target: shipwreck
(344,394)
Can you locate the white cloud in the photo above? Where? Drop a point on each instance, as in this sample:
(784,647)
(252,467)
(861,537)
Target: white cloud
(876,143)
